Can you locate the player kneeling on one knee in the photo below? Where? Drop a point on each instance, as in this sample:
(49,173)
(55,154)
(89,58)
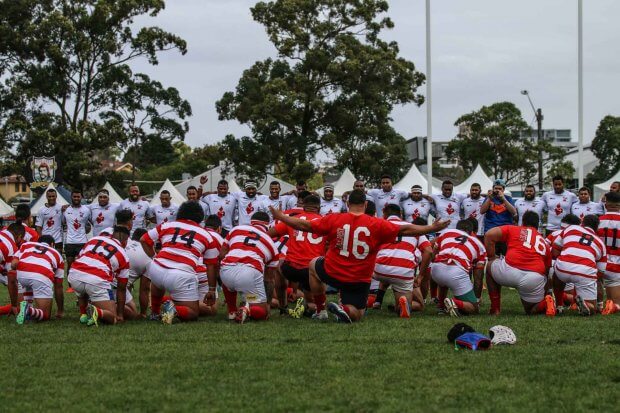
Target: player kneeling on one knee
(458,251)
(247,251)
(524,267)
(39,269)
(174,269)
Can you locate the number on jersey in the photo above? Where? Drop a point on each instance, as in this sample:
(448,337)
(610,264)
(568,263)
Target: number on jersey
(359,248)
(539,243)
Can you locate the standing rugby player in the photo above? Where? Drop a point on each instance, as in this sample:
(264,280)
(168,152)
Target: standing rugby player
(138,207)
(386,195)
(102,212)
(49,219)
(558,202)
(223,205)
(249,202)
(609,232)
(447,204)
(585,206)
(416,206)
(529,203)
(77,219)
(329,204)
(472,207)
(166,211)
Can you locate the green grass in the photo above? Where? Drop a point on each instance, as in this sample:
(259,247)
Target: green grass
(381,364)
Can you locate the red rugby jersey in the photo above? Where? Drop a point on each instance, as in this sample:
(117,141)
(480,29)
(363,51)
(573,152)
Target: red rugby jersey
(399,258)
(583,253)
(302,246)
(527,249)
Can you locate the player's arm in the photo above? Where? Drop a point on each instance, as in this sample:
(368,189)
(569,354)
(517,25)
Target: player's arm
(487,203)
(145,293)
(270,282)
(121,289)
(478,277)
(490,238)
(413,230)
(427,256)
(212,277)
(59,297)
(300,224)
(12,287)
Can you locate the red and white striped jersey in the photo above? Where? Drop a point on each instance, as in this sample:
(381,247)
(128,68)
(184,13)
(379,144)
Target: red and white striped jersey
(281,244)
(31,234)
(399,258)
(250,245)
(211,257)
(460,248)
(583,253)
(609,232)
(36,258)
(103,257)
(183,243)
(8,248)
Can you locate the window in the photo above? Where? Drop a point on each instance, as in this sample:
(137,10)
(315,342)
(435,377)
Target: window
(17,187)
(23,187)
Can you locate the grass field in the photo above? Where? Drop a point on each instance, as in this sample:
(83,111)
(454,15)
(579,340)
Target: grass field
(567,364)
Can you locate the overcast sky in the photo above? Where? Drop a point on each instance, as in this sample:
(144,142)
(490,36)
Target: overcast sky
(484,51)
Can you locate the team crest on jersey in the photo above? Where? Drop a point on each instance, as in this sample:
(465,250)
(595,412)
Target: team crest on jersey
(450,210)
(249,209)
(50,222)
(416,214)
(76,224)
(558,209)
(220,212)
(473,214)
(100,218)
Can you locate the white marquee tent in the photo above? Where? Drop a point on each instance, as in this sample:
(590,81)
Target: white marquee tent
(343,184)
(214,175)
(414,177)
(477,176)
(5,209)
(177,197)
(603,188)
(40,202)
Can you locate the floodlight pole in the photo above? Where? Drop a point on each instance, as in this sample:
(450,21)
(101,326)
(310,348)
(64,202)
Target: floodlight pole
(429,116)
(580,90)
(539,119)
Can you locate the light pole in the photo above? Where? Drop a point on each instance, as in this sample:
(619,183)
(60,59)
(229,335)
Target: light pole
(429,115)
(539,119)
(580,91)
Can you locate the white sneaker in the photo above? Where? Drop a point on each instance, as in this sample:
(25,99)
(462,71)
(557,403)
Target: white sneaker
(451,307)
(322,316)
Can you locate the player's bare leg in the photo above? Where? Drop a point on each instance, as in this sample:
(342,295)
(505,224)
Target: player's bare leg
(157,296)
(600,295)
(495,292)
(106,311)
(318,289)
(131,311)
(187,310)
(612,305)
(417,300)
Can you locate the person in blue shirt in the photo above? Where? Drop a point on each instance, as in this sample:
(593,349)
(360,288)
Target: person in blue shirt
(498,210)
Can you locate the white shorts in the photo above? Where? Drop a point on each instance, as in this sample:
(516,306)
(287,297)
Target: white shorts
(399,285)
(40,286)
(244,279)
(374,284)
(529,284)
(5,281)
(585,287)
(182,285)
(203,289)
(611,279)
(93,292)
(453,277)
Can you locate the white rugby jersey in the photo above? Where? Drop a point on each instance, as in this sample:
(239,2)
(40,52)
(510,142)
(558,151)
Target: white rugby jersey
(279,203)
(138,260)
(471,209)
(102,217)
(382,198)
(332,206)
(139,209)
(589,208)
(49,219)
(523,205)
(246,206)
(448,208)
(223,207)
(163,214)
(412,209)
(558,206)
(76,220)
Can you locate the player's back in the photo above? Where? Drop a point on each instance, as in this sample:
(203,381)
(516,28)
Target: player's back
(527,250)
(609,233)
(250,246)
(39,258)
(458,247)
(8,247)
(302,246)
(581,250)
(102,257)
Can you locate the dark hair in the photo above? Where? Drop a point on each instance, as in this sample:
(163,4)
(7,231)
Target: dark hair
(420,221)
(22,211)
(391,209)
(558,178)
(312,200)
(416,186)
(386,177)
(260,216)
(584,188)
(371,209)
(303,194)
(591,221)
(612,197)
(530,186)
(213,222)
(76,191)
(301,182)
(47,239)
(474,224)
(447,182)
(531,219)
(164,192)
(274,183)
(138,233)
(17,229)
(191,211)
(570,219)
(123,216)
(357,197)
(51,190)
(222,182)
(465,226)
(191,187)
(476,184)
(105,191)
(134,184)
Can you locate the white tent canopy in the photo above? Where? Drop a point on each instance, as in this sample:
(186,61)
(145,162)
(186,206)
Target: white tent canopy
(40,202)
(5,209)
(175,195)
(602,188)
(343,184)
(284,186)
(414,177)
(213,175)
(477,176)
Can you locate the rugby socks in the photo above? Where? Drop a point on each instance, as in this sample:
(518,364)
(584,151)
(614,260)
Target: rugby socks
(83,308)
(372,297)
(433,289)
(319,300)
(183,312)
(541,307)
(560,296)
(496,300)
(380,296)
(37,314)
(231,299)
(258,312)
(156,304)
(459,303)
(5,309)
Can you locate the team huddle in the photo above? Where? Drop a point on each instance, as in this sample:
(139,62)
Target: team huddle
(286,252)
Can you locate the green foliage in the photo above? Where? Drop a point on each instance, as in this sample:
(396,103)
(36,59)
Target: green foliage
(606,147)
(332,88)
(68,85)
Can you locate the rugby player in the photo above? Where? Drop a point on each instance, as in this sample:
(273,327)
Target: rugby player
(585,206)
(529,203)
(77,219)
(558,203)
(102,212)
(472,207)
(22,213)
(213,224)
(166,211)
(416,206)
(49,219)
(249,202)
(193,194)
(10,240)
(386,194)
(138,263)
(138,207)
(223,205)
(447,204)
(609,232)
(329,204)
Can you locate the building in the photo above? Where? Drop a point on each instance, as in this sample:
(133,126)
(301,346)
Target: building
(14,186)
(116,166)
(416,149)
(559,137)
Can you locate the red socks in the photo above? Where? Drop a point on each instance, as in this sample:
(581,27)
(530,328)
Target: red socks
(231,299)
(559,295)
(459,303)
(541,307)
(156,304)
(183,312)
(319,300)
(82,309)
(258,312)
(99,312)
(433,289)
(496,300)
(441,295)
(5,309)
(38,314)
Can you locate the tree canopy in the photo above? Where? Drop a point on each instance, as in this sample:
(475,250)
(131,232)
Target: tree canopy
(606,147)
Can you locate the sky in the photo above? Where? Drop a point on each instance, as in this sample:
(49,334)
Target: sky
(483,51)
